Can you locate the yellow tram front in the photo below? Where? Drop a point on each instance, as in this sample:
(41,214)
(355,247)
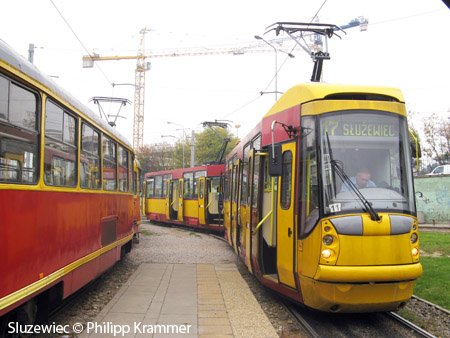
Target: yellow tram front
(358,246)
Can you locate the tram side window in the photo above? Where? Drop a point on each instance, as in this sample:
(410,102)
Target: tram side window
(256,181)
(256,146)
(244,189)
(309,199)
(188,185)
(286,180)
(158,186)
(90,158)
(132,176)
(165,178)
(150,187)
(227,185)
(19,136)
(123,169)
(22,107)
(4,98)
(60,155)
(197,175)
(109,164)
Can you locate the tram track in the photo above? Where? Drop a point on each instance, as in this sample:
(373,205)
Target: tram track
(320,324)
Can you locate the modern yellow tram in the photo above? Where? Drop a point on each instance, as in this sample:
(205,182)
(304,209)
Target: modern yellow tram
(319,199)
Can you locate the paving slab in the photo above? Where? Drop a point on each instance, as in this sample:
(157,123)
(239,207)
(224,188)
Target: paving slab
(182,300)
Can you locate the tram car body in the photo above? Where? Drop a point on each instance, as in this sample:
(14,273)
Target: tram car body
(190,197)
(298,230)
(69,203)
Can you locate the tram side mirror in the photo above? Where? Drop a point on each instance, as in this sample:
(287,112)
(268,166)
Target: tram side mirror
(275,160)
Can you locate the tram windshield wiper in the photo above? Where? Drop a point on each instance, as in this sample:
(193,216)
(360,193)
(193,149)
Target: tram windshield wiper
(344,177)
(336,165)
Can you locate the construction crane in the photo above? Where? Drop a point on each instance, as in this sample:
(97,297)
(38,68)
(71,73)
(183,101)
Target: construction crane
(142,66)
(139,84)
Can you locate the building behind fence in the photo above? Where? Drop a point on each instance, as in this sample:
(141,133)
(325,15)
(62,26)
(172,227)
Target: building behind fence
(433,198)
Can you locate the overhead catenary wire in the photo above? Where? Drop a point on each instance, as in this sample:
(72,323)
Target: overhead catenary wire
(278,70)
(79,40)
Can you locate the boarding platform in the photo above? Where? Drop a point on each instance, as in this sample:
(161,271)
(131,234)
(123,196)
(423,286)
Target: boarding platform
(182,300)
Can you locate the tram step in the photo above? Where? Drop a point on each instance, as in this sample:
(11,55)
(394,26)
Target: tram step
(272,277)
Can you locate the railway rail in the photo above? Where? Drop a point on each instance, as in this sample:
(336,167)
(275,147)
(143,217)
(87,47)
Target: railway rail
(437,307)
(319,324)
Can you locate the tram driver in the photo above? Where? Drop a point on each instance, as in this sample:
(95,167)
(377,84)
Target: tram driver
(361,180)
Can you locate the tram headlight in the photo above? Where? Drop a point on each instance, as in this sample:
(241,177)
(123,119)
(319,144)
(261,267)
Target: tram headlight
(415,251)
(328,240)
(414,238)
(327,253)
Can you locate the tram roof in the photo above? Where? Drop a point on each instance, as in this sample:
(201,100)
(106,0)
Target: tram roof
(307,92)
(17,61)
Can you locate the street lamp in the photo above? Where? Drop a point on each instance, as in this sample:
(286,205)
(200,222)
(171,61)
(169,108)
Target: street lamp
(237,126)
(184,138)
(257,37)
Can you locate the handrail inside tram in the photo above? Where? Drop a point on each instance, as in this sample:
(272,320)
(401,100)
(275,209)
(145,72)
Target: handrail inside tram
(269,214)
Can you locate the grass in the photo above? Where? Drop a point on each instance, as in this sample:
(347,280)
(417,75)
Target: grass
(435,281)
(432,242)
(195,234)
(147,233)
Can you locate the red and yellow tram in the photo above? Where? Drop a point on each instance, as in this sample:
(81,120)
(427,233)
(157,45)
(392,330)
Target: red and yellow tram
(189,197)
(296,213)
(69,203)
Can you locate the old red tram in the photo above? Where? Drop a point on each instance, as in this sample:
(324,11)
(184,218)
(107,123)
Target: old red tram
(69,204)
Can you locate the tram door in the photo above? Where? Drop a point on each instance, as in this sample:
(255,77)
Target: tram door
(168,202)
(202,200)
(285,217)
(227,184)
(180,199)
(235,206)
(250,225)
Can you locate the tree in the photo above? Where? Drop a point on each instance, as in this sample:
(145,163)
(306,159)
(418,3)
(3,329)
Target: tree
(182,154)
(437,137)
(208,145)
(156,157)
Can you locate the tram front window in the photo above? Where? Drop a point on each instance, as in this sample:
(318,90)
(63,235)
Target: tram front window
(365,152)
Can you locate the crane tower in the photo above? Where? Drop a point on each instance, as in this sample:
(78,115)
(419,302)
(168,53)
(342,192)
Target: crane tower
(139,95)
(139,84)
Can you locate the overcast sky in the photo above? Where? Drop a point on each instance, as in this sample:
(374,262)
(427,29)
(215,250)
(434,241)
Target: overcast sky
(405,46)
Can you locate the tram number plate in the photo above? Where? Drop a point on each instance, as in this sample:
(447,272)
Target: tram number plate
(336,207)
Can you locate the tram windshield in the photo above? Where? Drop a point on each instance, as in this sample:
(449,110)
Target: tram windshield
(365,160)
